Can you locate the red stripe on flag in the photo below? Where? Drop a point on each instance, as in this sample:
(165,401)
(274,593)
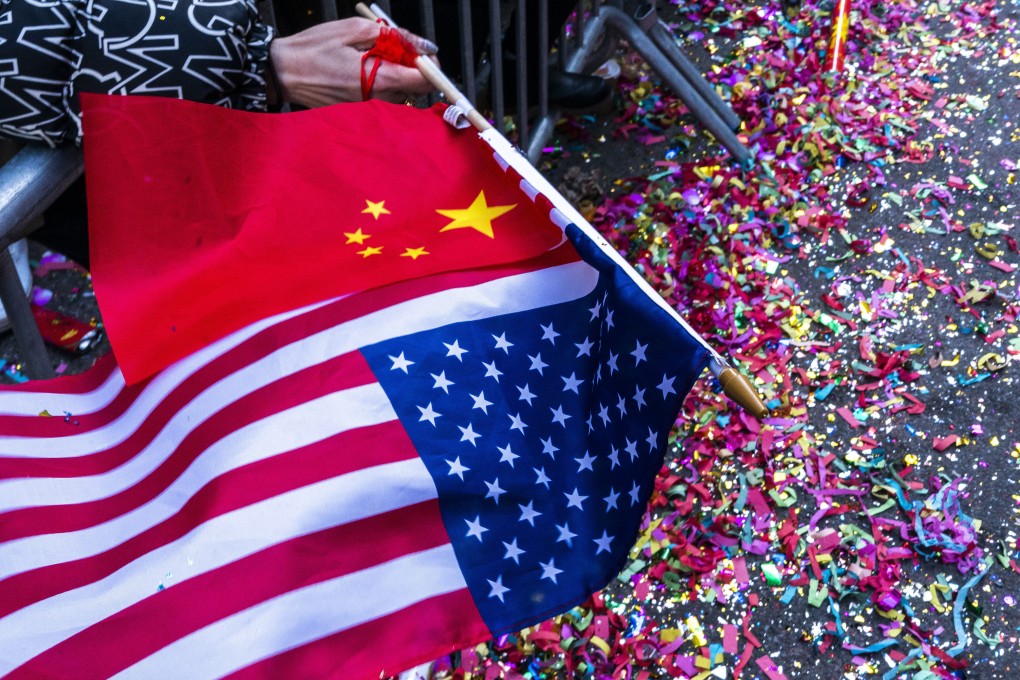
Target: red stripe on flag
(69,384)
(61,424)
(340,373)
(452,620)
(119,641)
(346,452)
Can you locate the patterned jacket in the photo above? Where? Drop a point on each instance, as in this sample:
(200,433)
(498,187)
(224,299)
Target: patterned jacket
(212,51)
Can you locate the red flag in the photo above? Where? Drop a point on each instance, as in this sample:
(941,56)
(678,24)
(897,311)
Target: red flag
(246,215)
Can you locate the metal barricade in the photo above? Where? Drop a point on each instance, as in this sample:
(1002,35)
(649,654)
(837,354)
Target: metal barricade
(583,43)
(648,35)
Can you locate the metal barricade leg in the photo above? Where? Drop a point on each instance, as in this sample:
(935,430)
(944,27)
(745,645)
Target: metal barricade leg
(689,85)
(328,8)
(26,333)
(666,43)
(521,68)
(29,183)
(691,97)
(496,61)
(467,40)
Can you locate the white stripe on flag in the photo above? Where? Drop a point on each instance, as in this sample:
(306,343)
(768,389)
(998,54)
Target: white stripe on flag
(277,434)
(59,403)
(218,542)
(503,296)
(303,616)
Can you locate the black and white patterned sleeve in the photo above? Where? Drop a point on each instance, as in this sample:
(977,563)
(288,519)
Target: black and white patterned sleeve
(52,50)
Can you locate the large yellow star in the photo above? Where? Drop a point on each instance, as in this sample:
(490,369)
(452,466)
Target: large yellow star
(369,251)
(356,237)
(414,253)
(376,209)
(478,216)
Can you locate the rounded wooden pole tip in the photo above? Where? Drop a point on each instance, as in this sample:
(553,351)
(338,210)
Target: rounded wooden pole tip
(739,389)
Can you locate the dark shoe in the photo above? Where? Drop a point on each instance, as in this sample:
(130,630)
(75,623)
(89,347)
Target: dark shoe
(576,91)
(573,92)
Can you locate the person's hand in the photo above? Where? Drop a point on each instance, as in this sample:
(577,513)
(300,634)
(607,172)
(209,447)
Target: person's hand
(322,65)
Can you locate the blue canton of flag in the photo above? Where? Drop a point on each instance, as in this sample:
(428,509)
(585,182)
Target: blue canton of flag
(544,431)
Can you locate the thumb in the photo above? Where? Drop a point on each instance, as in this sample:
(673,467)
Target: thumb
(424,46)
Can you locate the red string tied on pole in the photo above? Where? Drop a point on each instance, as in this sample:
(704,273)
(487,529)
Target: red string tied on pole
(390,46)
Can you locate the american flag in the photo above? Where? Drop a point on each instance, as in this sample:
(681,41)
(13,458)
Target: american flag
(350,488)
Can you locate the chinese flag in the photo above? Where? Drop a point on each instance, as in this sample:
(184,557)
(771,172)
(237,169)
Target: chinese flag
(236,216)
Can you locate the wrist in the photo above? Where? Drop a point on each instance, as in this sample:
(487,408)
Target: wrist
(278,73)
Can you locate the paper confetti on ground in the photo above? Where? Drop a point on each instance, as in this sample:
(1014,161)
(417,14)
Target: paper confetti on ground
(864,274)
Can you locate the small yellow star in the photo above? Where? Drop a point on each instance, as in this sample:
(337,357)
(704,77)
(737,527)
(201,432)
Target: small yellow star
(369,251)
(478,216)
(414,253)
(376,209)
(356,237)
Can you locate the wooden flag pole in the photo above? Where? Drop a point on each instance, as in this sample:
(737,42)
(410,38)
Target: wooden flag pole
(735,385)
